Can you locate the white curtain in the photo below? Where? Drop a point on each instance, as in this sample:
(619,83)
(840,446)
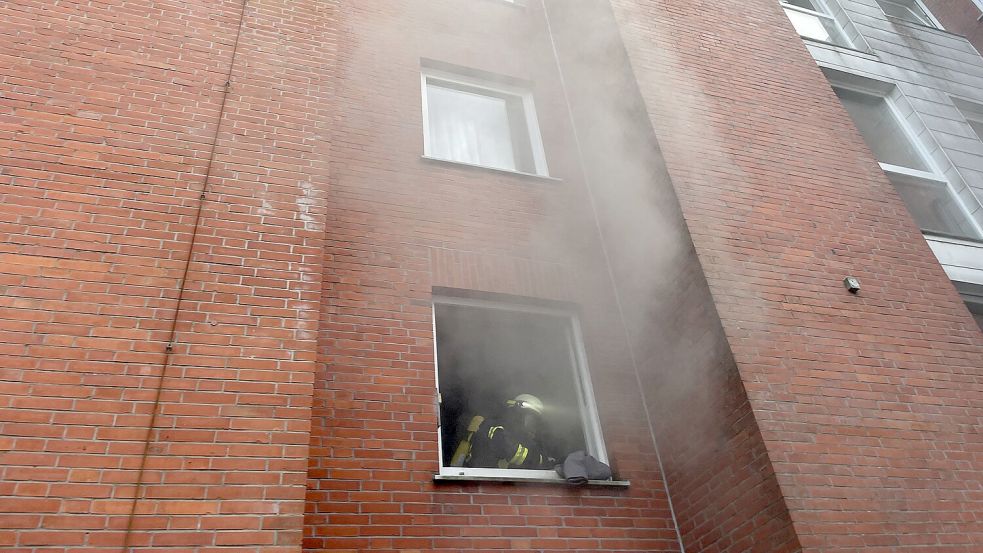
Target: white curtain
(469,127)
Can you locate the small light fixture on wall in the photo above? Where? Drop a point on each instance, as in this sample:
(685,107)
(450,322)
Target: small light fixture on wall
(852,284)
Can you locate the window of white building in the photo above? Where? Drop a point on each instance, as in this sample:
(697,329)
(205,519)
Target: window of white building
(923,188)
(975,305)
(812,19)
(973,114)
(489,352)
(972,294)
(977,126)
(482,123)
(909,10)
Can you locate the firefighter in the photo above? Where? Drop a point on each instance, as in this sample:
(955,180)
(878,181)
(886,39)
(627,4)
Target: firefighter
(512,439)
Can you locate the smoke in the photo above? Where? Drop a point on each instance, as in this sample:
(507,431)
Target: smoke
(660,292)
(603,237)
(688,385)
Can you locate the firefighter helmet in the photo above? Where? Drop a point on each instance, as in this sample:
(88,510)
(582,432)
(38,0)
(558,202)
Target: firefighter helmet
(527,401)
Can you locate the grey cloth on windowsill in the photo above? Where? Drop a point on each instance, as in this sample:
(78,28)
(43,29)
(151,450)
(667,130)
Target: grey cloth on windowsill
(579,467)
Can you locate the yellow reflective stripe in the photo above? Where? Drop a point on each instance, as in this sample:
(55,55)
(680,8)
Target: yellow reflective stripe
(492,430)
(520,455)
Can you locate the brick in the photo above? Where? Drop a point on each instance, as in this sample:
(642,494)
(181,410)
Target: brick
(114,140)
(296,409)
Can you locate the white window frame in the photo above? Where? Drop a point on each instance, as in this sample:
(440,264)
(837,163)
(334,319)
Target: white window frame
(495,89)
(971,112)
(590,419)
(972,295)
(979,4)
(974,304)
(932,21)
(825,14)
(979,121)
(935,174)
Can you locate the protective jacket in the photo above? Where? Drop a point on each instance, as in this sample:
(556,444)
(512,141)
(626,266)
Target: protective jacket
(490,443)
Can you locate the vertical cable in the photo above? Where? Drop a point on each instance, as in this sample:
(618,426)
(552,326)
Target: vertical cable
(182,285)
(610,271)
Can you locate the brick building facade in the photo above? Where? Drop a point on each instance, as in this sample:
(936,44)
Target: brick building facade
(240,240)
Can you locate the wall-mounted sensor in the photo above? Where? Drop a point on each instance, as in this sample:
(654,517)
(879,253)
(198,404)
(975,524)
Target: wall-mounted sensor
(852,284)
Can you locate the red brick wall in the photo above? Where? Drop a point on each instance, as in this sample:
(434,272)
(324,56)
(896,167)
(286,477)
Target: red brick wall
(961,17)
(107,114)
(400,226)
(848,422)
(867,404)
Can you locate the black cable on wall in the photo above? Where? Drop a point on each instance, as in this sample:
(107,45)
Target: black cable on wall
(182,285)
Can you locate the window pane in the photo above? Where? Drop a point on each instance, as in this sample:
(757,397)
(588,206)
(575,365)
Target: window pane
(972,294)
(977,127)
(487,356)
(909,10)
(469,127)
(976,308)
(933,206)
(881,129)
(815,27)
(806,4)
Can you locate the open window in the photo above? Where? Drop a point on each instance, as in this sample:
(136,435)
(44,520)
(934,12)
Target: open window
(924,189)
(912,11)
(484,121)
(812,19)
(489,352)
(972,294)
(973,113)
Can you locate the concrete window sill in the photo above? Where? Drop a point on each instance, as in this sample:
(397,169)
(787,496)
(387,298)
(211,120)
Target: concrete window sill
(849,50)
(967,240)
(521,4)
(526,480)
(463,165)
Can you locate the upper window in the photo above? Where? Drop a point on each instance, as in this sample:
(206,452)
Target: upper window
(881,129)
(909,10)
(975,306)
(972,294)
(926,192)
(973,114)
(977,125)
(812,19)
(480,123)
(515,394)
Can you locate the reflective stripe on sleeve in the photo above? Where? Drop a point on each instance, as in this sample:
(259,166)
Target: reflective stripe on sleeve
(520,455)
